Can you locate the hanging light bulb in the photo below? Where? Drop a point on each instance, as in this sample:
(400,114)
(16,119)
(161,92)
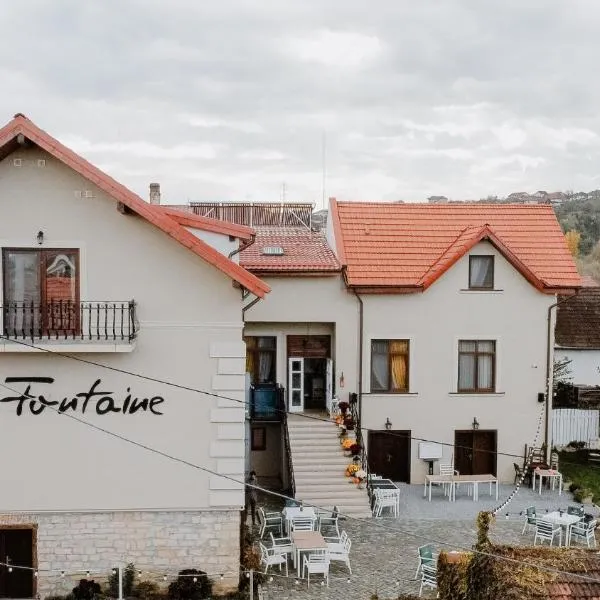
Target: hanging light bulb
(322,583)
(164,577)
(222,576)
(10,569)
(114,571)
(62,573)
(296,582)
(195,579)
(139,573)
(87,574)
(271,579)
(35,573)
(348,580)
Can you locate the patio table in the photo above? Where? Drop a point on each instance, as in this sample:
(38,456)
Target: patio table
(474,480)
(564,520)
(549,474)
(306,541)
(439,479)
(290,513)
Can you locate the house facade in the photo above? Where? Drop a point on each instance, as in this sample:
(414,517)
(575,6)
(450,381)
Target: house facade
(578,335)
(438,320)
(115,311)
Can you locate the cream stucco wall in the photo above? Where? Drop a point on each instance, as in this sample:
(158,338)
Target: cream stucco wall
(191,328)
(310,306)
(585,366)
(434,321)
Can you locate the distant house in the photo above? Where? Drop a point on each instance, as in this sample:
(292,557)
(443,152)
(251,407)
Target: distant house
(518,197)
(437,199)
(577,334)
(556,197)
(541,194)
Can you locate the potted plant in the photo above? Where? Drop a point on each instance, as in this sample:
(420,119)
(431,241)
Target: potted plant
(349,423)
(355,449)
(360,475)
(347,443)
(343,406)
(584,496)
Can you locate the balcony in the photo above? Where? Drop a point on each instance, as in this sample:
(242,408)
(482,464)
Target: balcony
(103,326)
(267,402)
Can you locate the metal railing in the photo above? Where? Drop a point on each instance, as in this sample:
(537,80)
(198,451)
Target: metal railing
(69,320)
(364,458)
(286,440)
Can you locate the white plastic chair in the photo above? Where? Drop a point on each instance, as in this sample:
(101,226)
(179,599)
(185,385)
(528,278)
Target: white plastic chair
(269,558)
(303,524)
(329,519)
(282,545)
(584,532)
(544,530)
(268,520)
(316,563)
(530,519)
(340,550)
(385,499)
(428,578)
(447,469)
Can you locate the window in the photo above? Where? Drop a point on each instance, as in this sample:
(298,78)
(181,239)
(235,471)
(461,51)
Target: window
(259,438)
(41,291)
(389,365)
(481,272)
(476,366)
(260,358)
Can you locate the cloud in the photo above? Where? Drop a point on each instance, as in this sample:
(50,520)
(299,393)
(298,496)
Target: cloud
(228,100)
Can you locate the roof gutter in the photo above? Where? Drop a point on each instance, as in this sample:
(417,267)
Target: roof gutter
(243,246)
(550,370)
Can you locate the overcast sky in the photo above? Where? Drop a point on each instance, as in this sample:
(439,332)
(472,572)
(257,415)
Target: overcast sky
(229,99)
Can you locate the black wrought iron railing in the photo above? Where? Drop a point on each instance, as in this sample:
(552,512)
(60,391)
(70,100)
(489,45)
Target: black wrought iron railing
(364,458)
(69,320)
(288,449)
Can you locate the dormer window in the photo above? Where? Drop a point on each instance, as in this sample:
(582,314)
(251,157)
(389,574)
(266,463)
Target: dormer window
(481,272)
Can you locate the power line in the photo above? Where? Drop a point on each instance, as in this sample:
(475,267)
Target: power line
(237,400)
(286,497)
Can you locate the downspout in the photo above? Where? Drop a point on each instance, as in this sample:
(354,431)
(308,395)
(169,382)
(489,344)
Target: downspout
(242,246)
(549,371)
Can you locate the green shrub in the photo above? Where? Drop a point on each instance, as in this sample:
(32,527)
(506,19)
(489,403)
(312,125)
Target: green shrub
(147,590)
(87,589)
(574,487)
(581,494)
(191,584)
(128,582)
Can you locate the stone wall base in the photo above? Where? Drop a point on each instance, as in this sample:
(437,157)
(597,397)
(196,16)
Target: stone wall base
(158,543)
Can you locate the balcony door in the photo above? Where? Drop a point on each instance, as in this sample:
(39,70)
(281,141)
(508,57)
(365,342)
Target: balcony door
(41,292)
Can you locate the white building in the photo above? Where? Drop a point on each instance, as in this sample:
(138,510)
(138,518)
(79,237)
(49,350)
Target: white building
(99,286)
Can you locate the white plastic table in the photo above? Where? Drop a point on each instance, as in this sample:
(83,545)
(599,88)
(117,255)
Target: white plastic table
(306,541)
(564,520)
(549,474)
(290,513)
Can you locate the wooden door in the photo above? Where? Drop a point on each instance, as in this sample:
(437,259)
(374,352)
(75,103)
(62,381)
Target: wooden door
(16,548)
(389,454)
(475,452)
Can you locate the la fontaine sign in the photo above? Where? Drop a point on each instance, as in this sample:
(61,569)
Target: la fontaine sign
(95,400)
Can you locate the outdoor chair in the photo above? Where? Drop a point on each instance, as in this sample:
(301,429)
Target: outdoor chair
(281,545)
(329,520)
(545,530)
(447,469)
(573,509)
(339,550)
(530,519)
(316,563)
(385,499)
(554,461)
(268,520)
(584,532)
(426,557)
(303,524)
(269,558)
(428,578)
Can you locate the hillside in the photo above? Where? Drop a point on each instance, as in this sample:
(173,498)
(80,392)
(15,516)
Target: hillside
(582,216)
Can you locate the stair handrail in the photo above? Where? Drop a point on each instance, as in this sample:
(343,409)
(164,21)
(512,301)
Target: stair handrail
(364,459)
(286,439)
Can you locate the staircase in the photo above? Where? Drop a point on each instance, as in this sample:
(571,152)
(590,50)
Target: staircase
(319,464)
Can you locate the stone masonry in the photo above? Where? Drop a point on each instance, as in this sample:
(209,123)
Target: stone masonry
(158,543)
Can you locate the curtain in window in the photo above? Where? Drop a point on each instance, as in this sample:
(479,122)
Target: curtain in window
(379,366)
(22,292)
(481,271)
(265,366)
(250,356)
(399,364)
(466,365)
(485,365)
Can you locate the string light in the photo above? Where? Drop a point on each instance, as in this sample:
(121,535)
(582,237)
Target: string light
(62,573)
(87,574)
(195,579)
(10,569)
(35,573)
(164,577)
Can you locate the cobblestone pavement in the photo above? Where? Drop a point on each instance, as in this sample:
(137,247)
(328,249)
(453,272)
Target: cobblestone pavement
(384,551)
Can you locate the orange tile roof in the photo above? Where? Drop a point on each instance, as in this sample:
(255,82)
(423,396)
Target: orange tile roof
(389,245)
(303,251)
(22,125)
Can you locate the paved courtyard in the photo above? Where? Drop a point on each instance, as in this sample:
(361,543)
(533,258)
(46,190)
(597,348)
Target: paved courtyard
(384,551)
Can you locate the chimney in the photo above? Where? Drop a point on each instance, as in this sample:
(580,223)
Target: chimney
(155,193)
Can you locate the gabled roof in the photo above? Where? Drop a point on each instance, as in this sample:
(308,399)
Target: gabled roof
(578,320)
(304,251)
(391,245)
(188,219)
(21,125)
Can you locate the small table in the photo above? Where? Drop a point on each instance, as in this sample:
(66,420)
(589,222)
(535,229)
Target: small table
(475,480)
(290,513)
(306,541)
(565,520)
(550,474)
(440,479)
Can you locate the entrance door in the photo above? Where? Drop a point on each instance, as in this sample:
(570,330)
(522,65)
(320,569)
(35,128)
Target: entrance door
(296,385)
(389,454)
(16,547)
(475,452)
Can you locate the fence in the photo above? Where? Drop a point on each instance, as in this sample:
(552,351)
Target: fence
(571,424)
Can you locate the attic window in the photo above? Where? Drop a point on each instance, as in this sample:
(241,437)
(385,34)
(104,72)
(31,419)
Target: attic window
(273,250)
